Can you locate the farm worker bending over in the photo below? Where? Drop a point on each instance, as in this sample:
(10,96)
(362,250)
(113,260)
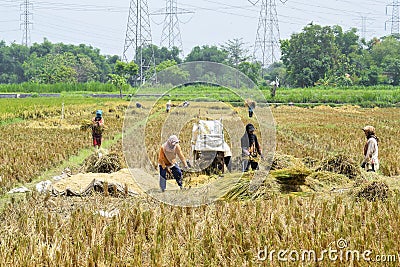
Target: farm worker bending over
(370,162)
(167,161)
(97,129)
(250,149)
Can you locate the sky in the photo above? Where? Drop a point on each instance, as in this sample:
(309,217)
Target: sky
(102,23)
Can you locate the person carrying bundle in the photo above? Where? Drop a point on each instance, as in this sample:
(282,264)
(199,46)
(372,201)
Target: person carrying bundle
(251,105)
(97,129)
(250,149)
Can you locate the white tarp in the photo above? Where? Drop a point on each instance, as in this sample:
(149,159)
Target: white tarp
(208,136)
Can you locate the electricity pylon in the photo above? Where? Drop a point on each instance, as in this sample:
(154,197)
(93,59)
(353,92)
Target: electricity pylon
(266,47)
(138,38)
(26,22)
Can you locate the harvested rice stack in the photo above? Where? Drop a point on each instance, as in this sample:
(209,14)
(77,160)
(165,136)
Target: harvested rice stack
(342,164)
(374,191)
(284,161)
(88,124)
(327,181)
(310,162)
(106,164)
(240,191)
(292,176)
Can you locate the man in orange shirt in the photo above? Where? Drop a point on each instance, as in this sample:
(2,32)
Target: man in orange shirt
(167,160)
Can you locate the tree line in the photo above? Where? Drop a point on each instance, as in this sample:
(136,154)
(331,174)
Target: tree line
(316,56)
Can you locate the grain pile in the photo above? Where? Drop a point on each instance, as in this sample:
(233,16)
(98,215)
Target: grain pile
(105,164)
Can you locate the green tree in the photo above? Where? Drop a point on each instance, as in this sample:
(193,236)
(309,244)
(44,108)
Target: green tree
(11,59)
(252,70)
(386,56)
(86,70)
(207,53)
(310,55)
(275,70)
(124,73)
(42,49)
(169,73)
(235,51)
(52,68)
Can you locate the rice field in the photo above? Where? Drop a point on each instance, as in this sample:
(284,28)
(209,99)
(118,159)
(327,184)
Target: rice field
(40,230)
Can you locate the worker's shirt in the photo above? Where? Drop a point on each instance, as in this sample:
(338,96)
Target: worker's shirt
(371,152)
(167,158)
(249,147)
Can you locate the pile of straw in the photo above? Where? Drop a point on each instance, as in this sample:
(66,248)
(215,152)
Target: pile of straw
(374,191)
(106,164)
(341,164)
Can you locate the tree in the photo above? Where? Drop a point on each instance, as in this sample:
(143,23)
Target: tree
(236,52)
(42,49)
(86,70)
(118,81)
(252,70)
(169,73)
(385,55)
(11,59)
(207,53)
(124,73)
(310,55)
(52,68)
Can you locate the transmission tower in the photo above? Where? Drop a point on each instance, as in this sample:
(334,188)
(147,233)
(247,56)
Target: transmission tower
(395,21)
(171,34)
(26,21)
(138,37)
(266,48)
(363,27)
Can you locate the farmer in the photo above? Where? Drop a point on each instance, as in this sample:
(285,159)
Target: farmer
(251,105)
(97,129)
(250,112)
(370,162)
(168,106)
(185,104)
(167,161)
(250,149)
(227,156)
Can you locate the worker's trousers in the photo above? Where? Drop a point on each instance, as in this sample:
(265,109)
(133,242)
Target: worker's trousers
(176,172)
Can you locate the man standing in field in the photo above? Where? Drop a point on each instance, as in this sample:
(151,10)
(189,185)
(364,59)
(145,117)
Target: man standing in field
(167,161)
(97,129)
(370,162)
(250,149)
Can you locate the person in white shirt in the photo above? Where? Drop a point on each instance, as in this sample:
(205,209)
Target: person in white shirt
(371,161)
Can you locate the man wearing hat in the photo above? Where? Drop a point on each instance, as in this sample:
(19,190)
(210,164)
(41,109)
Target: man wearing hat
(250,148)
(167,161)
(370,162)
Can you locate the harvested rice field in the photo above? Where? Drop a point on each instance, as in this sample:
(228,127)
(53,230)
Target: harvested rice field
(313,196)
